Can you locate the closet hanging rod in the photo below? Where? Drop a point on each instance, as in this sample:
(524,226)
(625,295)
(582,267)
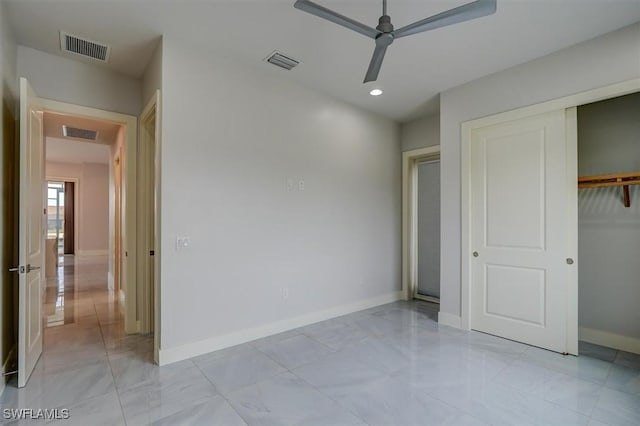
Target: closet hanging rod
(615,179)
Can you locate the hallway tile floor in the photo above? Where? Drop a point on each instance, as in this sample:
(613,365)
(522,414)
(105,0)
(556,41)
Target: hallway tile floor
(389,365)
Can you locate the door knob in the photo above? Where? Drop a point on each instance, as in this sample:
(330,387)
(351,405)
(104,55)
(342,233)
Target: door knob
(475,254)
(569,261)
(32,268)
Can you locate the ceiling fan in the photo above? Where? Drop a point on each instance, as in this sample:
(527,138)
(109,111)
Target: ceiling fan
(384,34)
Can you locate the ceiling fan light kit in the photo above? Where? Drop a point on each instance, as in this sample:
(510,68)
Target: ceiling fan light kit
(384,34)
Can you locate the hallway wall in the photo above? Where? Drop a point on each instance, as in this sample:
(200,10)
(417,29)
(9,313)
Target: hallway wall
(93,210)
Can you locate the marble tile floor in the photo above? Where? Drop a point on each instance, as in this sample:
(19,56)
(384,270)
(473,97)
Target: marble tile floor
(389,365)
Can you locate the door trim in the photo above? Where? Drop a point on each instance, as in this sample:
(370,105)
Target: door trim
(410,160)
(568,102)
(571,137)
(150,306)
(152,111)
(130,178)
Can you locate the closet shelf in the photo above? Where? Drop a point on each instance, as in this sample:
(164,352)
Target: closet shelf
(616,179)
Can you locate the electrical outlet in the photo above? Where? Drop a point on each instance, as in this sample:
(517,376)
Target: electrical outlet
(285,293)
(301,185)
(290,185)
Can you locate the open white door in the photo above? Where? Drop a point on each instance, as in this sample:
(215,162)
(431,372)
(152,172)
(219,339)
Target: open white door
(31,233)
(520,229)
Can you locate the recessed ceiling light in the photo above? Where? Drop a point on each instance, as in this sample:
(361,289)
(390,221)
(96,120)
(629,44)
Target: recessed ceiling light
(375,92)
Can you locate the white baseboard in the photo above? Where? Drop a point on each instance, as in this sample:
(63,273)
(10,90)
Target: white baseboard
(92,252)
(449,319)
(110,281)
(429,299)
(611,340)
(179,353)
(5,367)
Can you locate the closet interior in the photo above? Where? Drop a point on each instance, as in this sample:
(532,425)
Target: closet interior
(609,224)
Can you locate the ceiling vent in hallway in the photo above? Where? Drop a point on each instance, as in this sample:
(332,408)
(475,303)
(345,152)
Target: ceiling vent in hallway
(83,47)
(282,61)
(73,132)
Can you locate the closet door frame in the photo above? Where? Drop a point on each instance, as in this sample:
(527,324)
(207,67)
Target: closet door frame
(410,160)
(568,102)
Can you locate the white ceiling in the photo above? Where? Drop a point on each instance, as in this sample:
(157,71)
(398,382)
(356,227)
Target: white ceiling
(73,151)
(334,59)
(70,150)
(107,132)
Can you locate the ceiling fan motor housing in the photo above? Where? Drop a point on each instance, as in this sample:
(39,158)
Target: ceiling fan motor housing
(384,39)
(384,24)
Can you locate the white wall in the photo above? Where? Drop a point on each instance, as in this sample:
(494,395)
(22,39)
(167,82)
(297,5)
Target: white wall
(420,133)
(231,139)
(8,90)
(152,78)
(609,233)
(62,79)
(93,196)
(609,136)
(608,59)
(94,215)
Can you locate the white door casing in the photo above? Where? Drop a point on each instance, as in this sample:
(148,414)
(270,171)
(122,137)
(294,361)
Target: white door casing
(148,213)
(31,232)
(410,160)
(520,228)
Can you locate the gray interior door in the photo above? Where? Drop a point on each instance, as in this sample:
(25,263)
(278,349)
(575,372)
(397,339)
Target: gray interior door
(429,229)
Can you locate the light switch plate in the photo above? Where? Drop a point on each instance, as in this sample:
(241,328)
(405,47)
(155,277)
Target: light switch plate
(182,243)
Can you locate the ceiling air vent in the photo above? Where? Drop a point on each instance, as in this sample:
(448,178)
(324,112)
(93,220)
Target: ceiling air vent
(282,61)
(73,132)
(83,47)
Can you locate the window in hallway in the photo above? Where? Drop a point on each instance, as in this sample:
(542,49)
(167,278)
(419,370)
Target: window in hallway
(55,214)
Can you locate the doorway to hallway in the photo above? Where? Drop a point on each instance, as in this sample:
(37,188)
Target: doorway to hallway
(94,255)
